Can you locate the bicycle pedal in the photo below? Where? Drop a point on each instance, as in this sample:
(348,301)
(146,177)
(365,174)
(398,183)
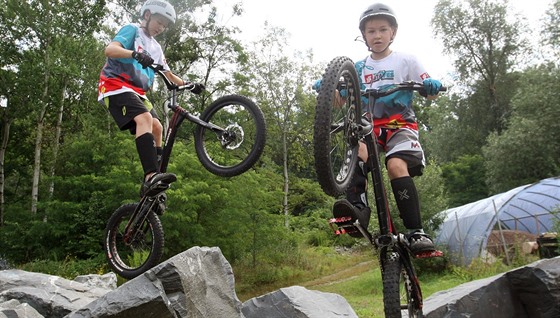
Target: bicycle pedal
(342,225)
(343,219)
(429,254)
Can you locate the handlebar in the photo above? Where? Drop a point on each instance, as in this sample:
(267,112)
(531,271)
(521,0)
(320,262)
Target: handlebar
(158,68)
(404,86)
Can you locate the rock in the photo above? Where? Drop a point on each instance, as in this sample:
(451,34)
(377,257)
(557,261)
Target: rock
(490,297)
(14,309)
(50,296)
(538,287)
(529,291)
(107,281)
(198,283)
(298,302)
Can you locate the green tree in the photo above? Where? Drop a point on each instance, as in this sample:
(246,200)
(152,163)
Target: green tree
(528,150)
(551,34)
(281,86)
(485,41)
(465,179)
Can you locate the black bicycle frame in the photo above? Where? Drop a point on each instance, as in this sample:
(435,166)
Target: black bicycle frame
(386,227)
(179,115)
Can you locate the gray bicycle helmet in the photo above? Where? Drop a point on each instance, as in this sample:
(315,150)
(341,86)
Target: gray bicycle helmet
(161,7)
(378,9)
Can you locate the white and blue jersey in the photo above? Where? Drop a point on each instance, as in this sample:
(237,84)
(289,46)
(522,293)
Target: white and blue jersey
(126,74)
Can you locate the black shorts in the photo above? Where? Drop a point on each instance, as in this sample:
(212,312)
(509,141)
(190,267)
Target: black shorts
(125,106)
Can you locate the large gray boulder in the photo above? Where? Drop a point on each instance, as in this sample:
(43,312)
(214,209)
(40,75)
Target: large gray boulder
(50,296)
(198,283)
(490,297)
(529,291)
(538,287)
(298,302)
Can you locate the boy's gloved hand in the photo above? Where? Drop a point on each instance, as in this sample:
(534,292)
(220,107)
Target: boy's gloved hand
(431,86)
(317,85)
(195,88)
(144,59)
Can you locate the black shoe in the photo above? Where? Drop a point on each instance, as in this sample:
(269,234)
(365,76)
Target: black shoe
(420,243)
(157,183)
(342,208)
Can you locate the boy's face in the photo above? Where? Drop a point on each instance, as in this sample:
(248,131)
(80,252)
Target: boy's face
(157,24)
(378,33)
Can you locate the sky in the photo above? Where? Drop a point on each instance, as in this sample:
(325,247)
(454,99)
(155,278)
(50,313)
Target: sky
(330,27)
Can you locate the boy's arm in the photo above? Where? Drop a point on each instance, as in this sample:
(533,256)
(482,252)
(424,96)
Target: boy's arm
(116,50)
(174,78)
(195,88)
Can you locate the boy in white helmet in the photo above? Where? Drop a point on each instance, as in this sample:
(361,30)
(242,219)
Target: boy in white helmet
(126,77)
(394,124)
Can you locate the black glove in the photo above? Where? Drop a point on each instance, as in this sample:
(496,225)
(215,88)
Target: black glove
(195,88)
(142,58)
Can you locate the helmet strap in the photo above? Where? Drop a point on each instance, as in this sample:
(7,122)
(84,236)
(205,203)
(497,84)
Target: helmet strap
(146,25)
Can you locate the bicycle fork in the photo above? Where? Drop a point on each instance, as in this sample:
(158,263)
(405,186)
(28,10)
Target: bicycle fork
(133,227)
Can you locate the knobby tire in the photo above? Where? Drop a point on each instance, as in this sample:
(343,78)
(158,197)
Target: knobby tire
(334,139)
(131,260)
(400,287)
(241,118)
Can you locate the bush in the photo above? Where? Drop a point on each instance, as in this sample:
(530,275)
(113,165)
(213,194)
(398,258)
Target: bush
(69,268)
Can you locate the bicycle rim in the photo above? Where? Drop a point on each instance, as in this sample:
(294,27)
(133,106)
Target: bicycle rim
(238,147)
(130,259)
(335,137)
(401,290)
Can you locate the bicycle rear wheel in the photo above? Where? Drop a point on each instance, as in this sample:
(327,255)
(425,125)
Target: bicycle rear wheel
(239,145)
(401,289)
(130,259)
(335,137)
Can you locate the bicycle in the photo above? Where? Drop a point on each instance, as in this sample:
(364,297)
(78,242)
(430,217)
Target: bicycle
(229,139)
(338,129)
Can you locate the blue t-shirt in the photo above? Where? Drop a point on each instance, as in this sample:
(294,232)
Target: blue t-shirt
(126,74)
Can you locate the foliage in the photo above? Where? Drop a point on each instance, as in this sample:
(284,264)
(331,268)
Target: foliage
(68,268)
(464,179)
(495,130)
(528,150)
(551,32)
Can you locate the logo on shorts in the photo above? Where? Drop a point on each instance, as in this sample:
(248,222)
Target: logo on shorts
(124,110)
(414,144)
(394,124)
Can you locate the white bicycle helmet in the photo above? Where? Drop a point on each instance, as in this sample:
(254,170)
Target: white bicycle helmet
(161,7)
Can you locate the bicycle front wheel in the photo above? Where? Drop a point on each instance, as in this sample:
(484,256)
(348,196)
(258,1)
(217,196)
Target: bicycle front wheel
(130,258)
(239,140)
(401,289)
(335,136)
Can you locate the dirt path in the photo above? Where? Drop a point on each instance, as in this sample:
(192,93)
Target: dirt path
(343,275)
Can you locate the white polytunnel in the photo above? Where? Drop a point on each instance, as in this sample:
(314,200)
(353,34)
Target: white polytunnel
(532,208)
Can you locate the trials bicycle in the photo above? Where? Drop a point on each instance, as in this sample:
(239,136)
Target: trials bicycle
(229,139)
(338,130)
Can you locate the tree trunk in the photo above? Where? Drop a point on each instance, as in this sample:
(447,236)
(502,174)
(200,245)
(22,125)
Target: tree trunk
(56,145)
(39,141)
(37,161)
(6,122)
(286,180)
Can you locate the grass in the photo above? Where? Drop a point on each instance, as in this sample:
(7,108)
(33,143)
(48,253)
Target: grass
(357,278)
(353,274)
